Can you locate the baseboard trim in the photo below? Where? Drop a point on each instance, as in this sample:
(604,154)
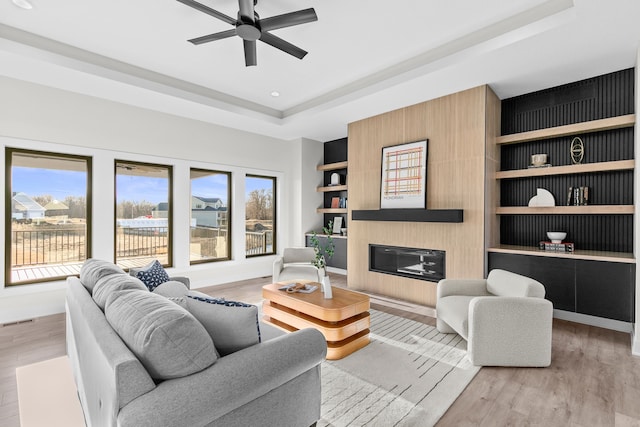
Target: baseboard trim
(600,322)
(635,342)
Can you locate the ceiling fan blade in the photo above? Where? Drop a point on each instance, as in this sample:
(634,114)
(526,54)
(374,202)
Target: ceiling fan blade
(209,11)
(283,45)
(288,19)
(212,37)
(250,54)
(246,10)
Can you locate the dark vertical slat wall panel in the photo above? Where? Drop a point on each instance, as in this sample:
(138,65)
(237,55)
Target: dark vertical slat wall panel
(596,98)
(588,232)
(600,97)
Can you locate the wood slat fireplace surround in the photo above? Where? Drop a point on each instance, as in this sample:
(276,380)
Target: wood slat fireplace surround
(461,129)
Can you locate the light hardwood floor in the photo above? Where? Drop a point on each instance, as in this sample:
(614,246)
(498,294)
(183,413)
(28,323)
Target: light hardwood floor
(593,379)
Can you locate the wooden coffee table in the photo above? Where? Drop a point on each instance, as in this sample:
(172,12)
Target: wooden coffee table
(343,320)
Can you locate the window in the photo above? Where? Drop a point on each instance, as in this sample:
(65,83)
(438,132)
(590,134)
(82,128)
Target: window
(143,214)
(260,222)
(210,239)
(47,212)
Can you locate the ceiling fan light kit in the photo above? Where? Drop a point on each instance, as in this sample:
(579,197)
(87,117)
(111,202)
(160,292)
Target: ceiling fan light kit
(250,28)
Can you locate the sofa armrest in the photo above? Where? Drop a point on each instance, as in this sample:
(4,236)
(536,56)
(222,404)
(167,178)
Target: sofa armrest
(468,287)
(510,331)
(278,264)
(231,382)
(182,279)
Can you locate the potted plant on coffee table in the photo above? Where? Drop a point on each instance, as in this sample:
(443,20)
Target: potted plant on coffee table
(323,250)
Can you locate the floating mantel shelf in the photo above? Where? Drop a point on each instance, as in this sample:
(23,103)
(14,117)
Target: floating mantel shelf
(409,215)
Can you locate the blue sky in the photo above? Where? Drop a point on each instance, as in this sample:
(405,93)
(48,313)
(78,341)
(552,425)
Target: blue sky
(57,183)
(60,184)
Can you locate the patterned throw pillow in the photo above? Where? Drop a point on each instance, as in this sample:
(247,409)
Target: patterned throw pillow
(153,275)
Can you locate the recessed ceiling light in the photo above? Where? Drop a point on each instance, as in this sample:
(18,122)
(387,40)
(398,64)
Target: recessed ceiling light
(24,4)
(275,94)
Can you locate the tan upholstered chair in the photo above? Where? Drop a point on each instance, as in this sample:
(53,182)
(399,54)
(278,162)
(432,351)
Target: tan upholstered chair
(295,264)
(505,318)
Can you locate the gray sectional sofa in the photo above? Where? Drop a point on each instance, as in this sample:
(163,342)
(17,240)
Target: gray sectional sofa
(143,358)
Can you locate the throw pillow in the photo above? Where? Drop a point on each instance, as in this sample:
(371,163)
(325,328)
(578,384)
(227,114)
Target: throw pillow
(168,341)
(171,288)
(153,275)
(232,325)
(93,269)
(112,283)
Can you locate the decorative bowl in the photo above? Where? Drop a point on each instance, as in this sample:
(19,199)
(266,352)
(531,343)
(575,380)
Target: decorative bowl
(556,236)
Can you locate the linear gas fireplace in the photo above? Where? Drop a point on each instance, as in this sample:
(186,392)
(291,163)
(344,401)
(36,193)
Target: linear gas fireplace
(422,264)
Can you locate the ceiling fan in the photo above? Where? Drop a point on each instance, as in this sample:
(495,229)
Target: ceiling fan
(250,28)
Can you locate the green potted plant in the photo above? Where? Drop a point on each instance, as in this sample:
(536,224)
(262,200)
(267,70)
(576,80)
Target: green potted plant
(323,250)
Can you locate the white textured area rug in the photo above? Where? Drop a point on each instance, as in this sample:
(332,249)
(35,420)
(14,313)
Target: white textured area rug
(408,375)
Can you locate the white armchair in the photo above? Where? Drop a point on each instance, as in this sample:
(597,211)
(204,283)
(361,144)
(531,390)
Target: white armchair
(505,318)
(295,264)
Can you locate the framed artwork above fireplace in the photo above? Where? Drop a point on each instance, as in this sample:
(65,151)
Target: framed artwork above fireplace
(404,176)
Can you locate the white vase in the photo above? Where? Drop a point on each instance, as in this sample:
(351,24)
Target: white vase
(326,288)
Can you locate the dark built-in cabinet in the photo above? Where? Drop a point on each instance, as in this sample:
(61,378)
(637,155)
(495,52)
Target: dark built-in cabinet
(339,258)
(597,288)
(598,278)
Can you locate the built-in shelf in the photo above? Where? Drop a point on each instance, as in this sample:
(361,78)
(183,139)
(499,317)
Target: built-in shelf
(566,210)
(578,254)
(331,188)
(566,170)
(408,215)
(573,129)
(332,166)
(332,210)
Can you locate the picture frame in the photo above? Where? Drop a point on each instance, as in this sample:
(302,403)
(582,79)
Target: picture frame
(337,224)
(403,183)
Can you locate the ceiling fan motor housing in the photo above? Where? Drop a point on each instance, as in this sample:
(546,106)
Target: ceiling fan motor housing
(248,30)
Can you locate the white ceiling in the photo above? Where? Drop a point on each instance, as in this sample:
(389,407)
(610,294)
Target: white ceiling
(365,57)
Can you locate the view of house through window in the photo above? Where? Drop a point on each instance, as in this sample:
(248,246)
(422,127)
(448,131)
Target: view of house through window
(210,216)
(260,207)
(48,208)
(143,214)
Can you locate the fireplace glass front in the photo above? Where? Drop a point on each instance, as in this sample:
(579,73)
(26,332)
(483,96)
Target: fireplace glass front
(422,264)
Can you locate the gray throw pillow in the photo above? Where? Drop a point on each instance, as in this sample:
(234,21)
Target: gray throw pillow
(232,325)
(115,282)
(172,288)
(168,341)
(93,269)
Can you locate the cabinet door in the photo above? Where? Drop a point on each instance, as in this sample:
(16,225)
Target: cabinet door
(339,258)
(556,274)
(606,289)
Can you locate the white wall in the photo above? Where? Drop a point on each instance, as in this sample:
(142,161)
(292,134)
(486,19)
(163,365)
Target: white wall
(635,347)
(43,118)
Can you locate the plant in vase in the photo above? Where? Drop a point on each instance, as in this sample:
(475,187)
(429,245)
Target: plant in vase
(327,250)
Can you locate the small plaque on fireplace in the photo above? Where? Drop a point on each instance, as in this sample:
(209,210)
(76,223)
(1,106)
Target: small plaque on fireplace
(416,263)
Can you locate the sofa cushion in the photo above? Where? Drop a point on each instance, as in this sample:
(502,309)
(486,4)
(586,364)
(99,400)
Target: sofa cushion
(167,340)
(506,284)
(232,325)
(114,282)
(172,288)
(93,269)
(454,311)
(153,275)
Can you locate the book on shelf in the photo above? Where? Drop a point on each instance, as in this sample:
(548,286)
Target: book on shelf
(578,196)
(343,202)
(556,247)
(335,202)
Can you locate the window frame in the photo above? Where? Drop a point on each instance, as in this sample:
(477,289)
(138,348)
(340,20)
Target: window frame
(229,215)
(9,152)
(169,212)
(275,216)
